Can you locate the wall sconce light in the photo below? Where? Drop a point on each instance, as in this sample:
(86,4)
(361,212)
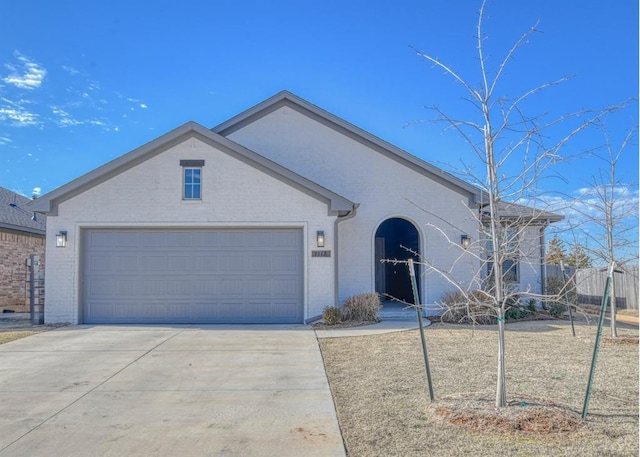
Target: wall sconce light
(61,239)
(465,241)
(320,238)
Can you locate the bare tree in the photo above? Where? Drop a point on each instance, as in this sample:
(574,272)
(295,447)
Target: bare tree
(610,208)
(515,152)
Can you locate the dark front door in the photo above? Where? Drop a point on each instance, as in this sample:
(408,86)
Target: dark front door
(396,239)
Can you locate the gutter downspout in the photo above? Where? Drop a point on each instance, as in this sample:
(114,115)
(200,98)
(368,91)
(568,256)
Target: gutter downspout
(350,215)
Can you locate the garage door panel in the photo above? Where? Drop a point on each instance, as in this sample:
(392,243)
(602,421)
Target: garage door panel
(192,276)
(130,287)
(260,287)
(125,262)
(153,263)
(100,287)
(258,263)
(231,286)
(100,263)
(284,262)
(203,263)
(231,263)
(152,239)
(289,288)
(230,240)
(102,239)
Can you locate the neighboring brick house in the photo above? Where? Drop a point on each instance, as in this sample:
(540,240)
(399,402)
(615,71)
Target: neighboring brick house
(22,233)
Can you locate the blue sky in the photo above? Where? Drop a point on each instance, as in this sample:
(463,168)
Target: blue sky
(84,82)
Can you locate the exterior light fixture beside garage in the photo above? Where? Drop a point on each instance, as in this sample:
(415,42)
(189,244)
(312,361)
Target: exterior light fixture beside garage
(61,239)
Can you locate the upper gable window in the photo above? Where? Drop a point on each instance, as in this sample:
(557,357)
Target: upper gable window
(192,179)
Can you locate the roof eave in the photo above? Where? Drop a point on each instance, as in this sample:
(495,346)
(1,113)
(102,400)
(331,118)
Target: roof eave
(20,228)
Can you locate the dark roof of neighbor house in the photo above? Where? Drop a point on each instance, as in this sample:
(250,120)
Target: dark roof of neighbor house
(48,203)
(14,214)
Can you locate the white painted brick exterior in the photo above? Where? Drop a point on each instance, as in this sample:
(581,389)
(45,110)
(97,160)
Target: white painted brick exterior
(150,195)
(383,187)
(531,261)
(236,194)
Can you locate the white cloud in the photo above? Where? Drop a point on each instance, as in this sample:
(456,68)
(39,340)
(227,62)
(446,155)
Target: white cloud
(72,71)
(26,74)
(36,191)
(19,117)
(143,106)
(64,119)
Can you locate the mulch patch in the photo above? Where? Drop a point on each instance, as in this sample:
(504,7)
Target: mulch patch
(620,341)
(344,324)
(521,415)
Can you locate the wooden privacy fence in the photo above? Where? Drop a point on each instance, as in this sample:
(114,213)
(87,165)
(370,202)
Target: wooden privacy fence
(590,285)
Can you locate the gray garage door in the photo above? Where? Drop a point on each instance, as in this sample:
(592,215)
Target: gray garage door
(192,276)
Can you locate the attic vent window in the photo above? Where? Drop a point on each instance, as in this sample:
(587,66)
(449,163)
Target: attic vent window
(192,179)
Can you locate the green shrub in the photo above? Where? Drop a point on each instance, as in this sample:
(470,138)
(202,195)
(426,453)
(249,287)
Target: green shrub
(362,307)
(516,308)
(467,309)
(332,315)
(558,293)
(557,309)
(516,312)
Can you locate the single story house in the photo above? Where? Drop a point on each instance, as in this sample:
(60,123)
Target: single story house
(269,217)
(22,234)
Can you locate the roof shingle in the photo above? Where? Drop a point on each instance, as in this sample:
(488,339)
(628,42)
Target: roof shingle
(15,216)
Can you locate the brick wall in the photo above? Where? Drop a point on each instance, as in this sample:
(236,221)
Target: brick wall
(15,248)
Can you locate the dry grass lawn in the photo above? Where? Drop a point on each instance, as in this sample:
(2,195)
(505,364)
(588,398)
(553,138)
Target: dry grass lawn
(380,391)
(7,336)
(12,329)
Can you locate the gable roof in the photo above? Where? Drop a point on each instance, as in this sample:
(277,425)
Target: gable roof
(49,202)
(286,98)
(15,216)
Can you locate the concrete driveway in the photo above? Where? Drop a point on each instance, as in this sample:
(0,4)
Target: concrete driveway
(167,391)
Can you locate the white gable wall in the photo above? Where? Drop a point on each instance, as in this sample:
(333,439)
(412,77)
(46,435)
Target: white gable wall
(530,260)
(150,195)
(382,187)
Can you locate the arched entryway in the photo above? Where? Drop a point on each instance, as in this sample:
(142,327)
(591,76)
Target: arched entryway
(392,238)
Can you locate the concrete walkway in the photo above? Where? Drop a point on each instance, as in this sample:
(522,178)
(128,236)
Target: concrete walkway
(385,326)
(167,391)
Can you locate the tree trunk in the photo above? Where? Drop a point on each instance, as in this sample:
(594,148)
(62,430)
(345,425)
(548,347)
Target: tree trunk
(501,389)
(612,306)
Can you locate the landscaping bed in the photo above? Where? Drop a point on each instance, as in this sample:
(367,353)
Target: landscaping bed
(381,395)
